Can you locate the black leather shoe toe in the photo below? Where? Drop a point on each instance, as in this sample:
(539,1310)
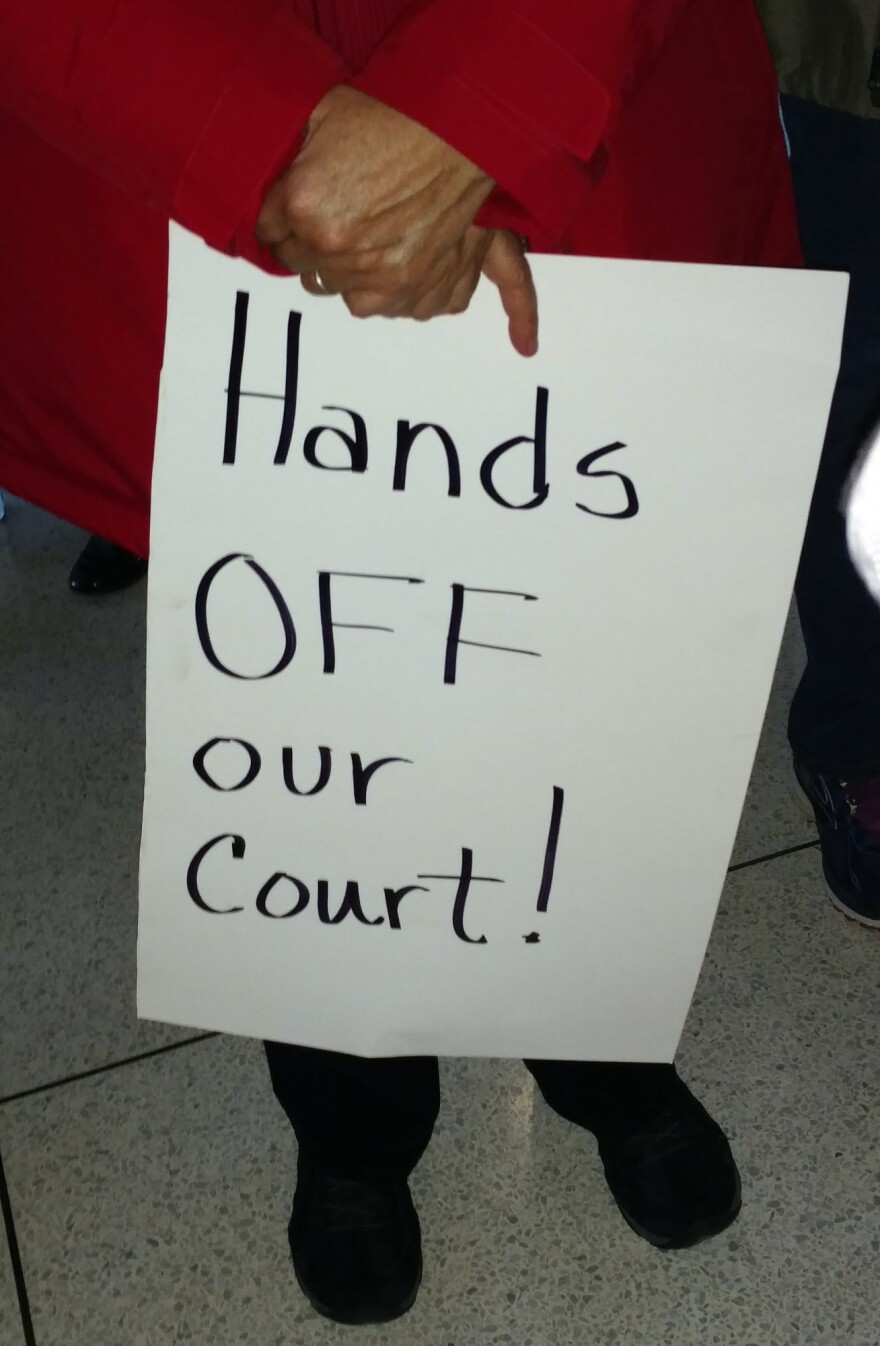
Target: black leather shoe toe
(102,568)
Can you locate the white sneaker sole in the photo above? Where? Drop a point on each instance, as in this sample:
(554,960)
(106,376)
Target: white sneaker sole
(855,917)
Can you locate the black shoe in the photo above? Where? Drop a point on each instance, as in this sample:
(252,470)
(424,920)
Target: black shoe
(668,1164)
(356,1246)
(847,815)
(102,568)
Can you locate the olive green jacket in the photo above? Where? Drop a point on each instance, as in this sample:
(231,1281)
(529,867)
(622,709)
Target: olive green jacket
(827,51)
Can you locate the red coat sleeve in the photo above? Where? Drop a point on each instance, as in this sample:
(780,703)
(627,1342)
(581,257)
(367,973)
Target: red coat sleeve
(527,89)
(193,105)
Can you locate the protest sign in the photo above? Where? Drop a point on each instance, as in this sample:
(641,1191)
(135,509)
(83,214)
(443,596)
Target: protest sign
(457,661)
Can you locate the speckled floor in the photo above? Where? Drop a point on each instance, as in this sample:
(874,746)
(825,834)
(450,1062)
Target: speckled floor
(147,1172)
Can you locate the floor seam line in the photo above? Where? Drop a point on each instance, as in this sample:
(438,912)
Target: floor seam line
(105,1069)
(205,1037)
(24,1304)
(774,855)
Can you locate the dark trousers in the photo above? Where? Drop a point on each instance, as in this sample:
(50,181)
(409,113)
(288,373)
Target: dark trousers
(834,725)
(362,1118)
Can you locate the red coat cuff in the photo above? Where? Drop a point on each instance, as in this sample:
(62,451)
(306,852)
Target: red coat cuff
(253,134)
(502,92)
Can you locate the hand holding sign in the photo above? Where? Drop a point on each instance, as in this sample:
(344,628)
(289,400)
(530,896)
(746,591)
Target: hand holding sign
(381,211)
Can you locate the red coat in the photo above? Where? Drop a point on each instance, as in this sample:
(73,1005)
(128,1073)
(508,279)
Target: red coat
(641,128)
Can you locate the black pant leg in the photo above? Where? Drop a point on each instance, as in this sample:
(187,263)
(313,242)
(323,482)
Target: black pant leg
(834,725)
(600,1092)
(357,1117)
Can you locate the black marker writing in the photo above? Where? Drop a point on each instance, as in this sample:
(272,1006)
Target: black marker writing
(453,635)
(302,897)
(356,439)
(361,775)
(585,469)
(234,392)
(253,767)
(406,436)
(323,771)
(201,611)
(195,864)
(464,878)
(325,604)
(540,485)
(355,444)
(551,847)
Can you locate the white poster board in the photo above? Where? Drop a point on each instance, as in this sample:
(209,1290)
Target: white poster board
(447,741)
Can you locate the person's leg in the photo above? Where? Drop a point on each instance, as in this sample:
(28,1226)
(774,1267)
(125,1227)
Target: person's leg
(835,719)
(834,723)
(667,1163)
(362,1126)
(357,1117)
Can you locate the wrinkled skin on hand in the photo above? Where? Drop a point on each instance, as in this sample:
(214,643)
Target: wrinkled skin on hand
(381,209)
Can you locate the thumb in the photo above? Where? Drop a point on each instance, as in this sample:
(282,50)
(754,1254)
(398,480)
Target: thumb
(506,266)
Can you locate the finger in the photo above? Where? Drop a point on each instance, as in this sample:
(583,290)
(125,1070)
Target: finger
(339,275)
(453,296)
(507,268)
(453,280)
(362,303)
(446,292)
(394,296)
(448,289)
(315,283)
(296,257)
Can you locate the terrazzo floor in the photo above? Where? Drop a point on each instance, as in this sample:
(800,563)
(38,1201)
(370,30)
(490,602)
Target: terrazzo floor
(146,1171)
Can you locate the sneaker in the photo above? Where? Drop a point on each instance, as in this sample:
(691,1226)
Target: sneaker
(356,1245)
(848,818)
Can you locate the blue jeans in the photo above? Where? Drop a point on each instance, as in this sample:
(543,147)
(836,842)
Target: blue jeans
(834,723)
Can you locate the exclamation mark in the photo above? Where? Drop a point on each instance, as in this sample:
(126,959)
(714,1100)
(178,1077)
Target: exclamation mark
(549,858)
